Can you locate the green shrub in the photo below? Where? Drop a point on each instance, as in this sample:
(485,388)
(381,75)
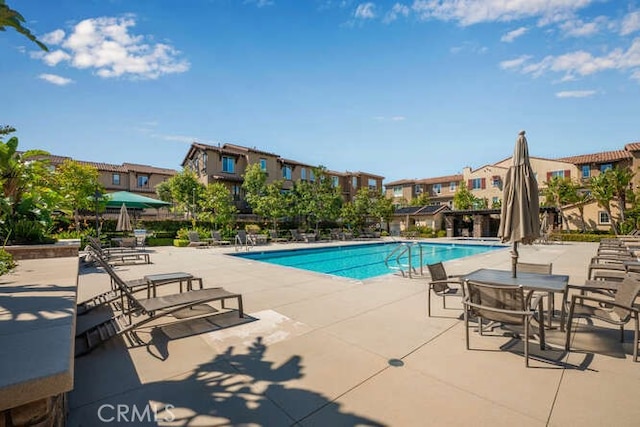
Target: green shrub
(6,262)
(180,243)
(441,233)
(579,237)
(160,241)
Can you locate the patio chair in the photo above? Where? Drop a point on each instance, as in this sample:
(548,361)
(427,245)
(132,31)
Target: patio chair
(507,305)
(137,312)
(109,297)
(216,239)
(617,311)
(439,285)
(140,235)
(538,268)
(194,240)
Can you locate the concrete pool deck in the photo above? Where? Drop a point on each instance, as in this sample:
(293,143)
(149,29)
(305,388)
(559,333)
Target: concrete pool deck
(333,351)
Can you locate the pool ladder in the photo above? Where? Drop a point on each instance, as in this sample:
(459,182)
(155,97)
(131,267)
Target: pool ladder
(393,260)
(248,243)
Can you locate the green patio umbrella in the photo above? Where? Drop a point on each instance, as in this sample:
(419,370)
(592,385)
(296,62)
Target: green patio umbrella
(132,200)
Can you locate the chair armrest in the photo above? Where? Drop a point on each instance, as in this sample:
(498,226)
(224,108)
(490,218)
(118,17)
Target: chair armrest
(445,281)
(606,301)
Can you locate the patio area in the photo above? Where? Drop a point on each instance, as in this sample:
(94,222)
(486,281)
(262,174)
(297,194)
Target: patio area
(326,351)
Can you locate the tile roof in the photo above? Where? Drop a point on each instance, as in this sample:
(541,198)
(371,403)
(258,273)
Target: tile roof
(632,146)
(605,156)
(133,167)
(441,179)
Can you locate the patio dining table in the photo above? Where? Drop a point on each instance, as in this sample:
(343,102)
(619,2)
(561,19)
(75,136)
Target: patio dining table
(550,283)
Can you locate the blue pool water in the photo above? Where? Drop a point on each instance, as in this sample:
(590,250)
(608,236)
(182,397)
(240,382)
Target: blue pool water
(363,261)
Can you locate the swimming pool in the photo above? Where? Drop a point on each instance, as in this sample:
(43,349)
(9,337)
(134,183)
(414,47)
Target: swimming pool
(363,261)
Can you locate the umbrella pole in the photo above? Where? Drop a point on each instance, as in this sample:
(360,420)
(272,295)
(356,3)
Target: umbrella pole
(514,259)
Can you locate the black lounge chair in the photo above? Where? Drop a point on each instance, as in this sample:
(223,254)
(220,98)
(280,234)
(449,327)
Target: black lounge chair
(136,312)
(117,255)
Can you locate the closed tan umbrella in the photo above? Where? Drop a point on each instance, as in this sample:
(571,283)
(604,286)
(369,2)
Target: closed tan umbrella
(519,218)
(124,223)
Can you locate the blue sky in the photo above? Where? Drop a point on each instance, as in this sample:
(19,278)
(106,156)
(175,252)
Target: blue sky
(402,89)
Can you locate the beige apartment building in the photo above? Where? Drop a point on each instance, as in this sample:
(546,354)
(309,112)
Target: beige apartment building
(486,182)
(227,163)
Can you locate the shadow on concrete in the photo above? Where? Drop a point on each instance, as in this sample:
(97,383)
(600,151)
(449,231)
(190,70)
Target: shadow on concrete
(234,388)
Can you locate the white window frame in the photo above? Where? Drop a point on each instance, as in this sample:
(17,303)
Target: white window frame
(436,188)
(586,171)
(476,184)
(145,184)
(115,179)
(303,174)
(453,186)
(397,191)
(373,184)
(286,172)
(604,218)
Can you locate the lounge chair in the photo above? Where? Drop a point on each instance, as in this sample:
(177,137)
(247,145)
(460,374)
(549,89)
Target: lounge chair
(303,237)
(194,240)
(617,311)
(273,235)
(507,305)
(137,312)
(216,239)
(439,285)
(117,256)
(135,285)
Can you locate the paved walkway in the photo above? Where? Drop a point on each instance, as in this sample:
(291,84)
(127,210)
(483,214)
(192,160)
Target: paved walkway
(326,351)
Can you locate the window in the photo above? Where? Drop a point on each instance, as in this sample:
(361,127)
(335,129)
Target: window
(496,181)
(115,179)
(605,167)
(495,201)
(586,171)
(143,181)
(453,186)
(334,181)
(228,164)
(603,218)
(397,191)
(354,182)
(196,164)
(476,184)
(558,174)
(373,185)
(286,172)
(303,174)
(437,188)
(205,159)
(235,192)
(263,164)
(311,176)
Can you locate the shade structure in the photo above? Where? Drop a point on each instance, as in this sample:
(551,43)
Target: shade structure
(132,200)
(124,222)
(519,219)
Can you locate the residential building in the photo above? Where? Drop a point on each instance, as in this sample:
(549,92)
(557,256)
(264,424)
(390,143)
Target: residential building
(227,163)
(440,190)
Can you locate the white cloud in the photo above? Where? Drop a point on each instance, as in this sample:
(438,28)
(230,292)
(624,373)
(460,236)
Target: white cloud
(396,11)
(54,37)
(365,11)
(582,63)
(630,23)
(578,28)
(260,3)
(468,12)
(106,46)
(512,35)
(514,63)
(575,93)
(55,79)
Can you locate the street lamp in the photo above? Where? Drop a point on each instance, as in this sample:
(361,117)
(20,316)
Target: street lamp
(96,198)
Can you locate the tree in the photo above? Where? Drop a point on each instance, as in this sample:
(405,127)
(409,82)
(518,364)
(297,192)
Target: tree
(185,190)
(25,179)
(254,184)
(421,200)
(384,209)
(560,191)
(77,183)
(11,18)
(462,198)
(217,205)
(319,200)
(602,192)
(619,179)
